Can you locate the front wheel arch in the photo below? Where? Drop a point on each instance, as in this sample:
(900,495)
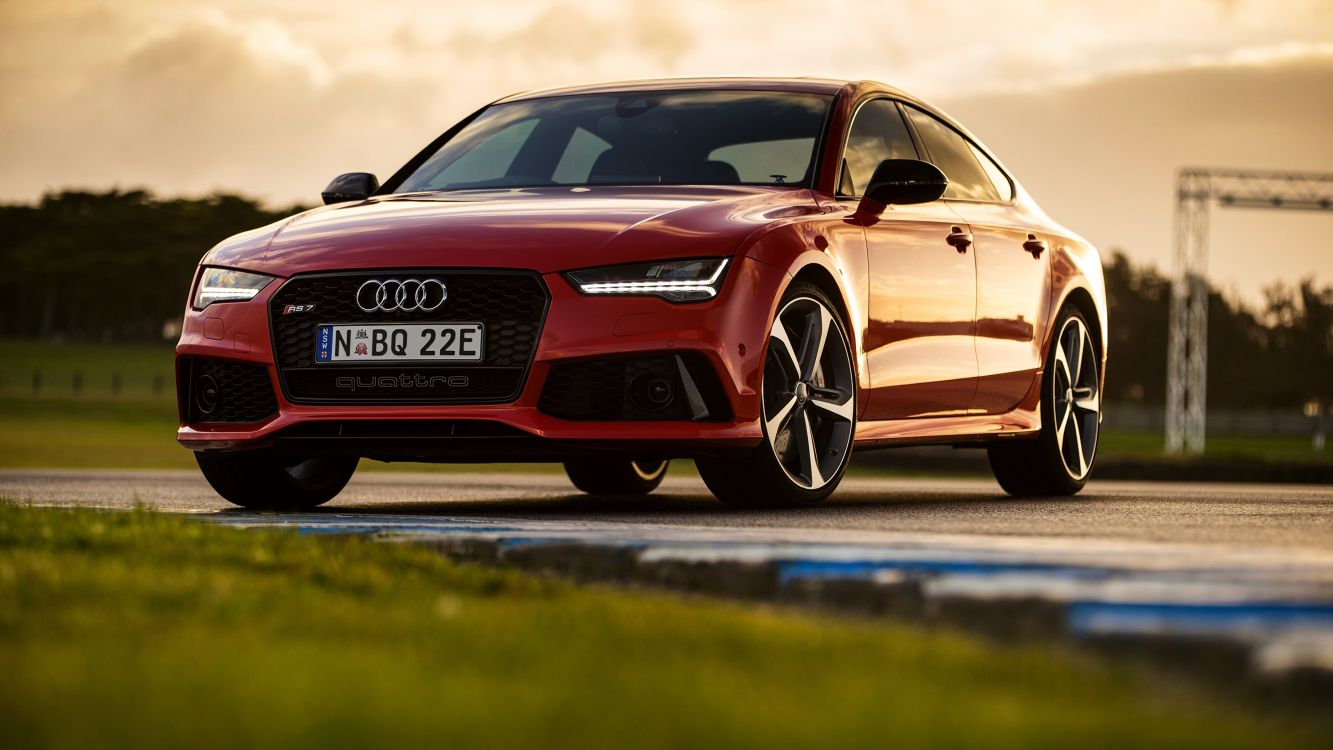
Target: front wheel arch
(822,279)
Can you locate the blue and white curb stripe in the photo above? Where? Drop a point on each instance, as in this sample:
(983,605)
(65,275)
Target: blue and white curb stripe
(1277,604)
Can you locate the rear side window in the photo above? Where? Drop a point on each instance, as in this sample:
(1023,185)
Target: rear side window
(953,155)
(878,133)
(996,175)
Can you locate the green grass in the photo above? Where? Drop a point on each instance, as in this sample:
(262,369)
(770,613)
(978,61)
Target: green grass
(1271,448)
(145,630)
(90,433)
(138,366)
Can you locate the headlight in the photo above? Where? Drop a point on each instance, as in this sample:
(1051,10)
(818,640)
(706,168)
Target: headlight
(674,280)
(226,285)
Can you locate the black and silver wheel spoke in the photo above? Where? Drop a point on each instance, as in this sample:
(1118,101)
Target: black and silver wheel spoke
(817,324)
(808,453)
(781,346)
(840,407)
(1076,398)
(778,422)
(809,397)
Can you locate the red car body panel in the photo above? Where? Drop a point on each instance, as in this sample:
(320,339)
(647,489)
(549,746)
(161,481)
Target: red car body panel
(949,346)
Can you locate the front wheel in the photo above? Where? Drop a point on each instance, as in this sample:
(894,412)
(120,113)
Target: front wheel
(612,476)
(1059,460)
(809,411)
(260,481)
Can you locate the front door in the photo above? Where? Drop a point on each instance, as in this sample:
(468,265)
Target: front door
(922,285)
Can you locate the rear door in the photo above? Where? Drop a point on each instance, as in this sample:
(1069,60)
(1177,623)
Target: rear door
(1013,265)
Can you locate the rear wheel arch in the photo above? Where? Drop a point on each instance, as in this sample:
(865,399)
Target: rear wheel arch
(1081,298)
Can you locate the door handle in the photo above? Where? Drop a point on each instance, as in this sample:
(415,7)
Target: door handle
(959,239)
(1035,246)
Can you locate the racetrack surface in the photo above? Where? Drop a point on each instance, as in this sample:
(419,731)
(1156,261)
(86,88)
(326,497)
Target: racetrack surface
(1288,517)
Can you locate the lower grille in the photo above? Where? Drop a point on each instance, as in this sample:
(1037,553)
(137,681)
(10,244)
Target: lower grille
(635,389)
(415,428)
(222,392)
(511,304)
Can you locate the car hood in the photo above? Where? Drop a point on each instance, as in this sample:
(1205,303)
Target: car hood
(543,229)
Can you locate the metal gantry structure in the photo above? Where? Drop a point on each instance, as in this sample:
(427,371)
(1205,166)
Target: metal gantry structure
(1197,190)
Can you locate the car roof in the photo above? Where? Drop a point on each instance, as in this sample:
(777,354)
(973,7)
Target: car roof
(798,85)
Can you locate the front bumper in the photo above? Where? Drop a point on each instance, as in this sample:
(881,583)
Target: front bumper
(727,334)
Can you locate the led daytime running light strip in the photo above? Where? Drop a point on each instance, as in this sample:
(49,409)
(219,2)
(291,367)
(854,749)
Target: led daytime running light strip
(228,292)
(621,287)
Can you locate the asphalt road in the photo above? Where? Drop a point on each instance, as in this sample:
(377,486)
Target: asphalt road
(1236,516)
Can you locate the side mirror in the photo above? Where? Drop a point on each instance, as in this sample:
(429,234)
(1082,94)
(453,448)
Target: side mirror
(902,182)
(353,186)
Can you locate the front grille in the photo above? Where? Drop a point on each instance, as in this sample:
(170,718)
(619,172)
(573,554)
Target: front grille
(511,304)
(635,388)
(222,392)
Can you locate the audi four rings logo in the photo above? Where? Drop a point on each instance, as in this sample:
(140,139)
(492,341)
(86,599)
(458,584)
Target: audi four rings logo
(408,295)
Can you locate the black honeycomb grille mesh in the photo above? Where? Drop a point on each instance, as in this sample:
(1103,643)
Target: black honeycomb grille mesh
(512,306)
(244,392)
(611,389)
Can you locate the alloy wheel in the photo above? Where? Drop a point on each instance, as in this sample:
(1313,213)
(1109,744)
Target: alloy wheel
(1076,397)
(809,393)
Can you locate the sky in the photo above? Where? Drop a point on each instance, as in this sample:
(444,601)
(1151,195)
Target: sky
(1093,105)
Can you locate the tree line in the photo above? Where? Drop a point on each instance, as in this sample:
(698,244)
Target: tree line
(109,267)
(115,266)
(1278,354)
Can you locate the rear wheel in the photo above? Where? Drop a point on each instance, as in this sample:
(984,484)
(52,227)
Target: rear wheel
(265,482)
(1059,460)
(613,476)
(809,411)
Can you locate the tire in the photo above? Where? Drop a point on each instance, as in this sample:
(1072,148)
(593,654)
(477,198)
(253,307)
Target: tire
(614,476)
(808,414)
(1059,460)
(260,481)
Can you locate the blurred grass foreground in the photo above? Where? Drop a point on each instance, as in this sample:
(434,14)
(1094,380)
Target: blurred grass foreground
(134,629)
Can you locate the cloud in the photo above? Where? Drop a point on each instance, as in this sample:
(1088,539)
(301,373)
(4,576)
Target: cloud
(571,36)
(209,103)
(274,98)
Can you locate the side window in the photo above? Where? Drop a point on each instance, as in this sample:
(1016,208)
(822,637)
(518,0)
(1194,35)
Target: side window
(878,133)
(576,163)
(953,155)
(997,177)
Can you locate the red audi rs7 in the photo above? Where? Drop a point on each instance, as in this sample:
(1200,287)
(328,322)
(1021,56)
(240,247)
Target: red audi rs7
(760,275)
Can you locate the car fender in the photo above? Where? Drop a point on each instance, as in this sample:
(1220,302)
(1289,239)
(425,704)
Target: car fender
(831,251)
(1076,270)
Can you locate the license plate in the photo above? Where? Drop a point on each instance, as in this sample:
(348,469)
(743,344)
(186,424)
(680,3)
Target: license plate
(403,342)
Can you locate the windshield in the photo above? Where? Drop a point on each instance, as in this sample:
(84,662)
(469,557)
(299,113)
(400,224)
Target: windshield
(643,138)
